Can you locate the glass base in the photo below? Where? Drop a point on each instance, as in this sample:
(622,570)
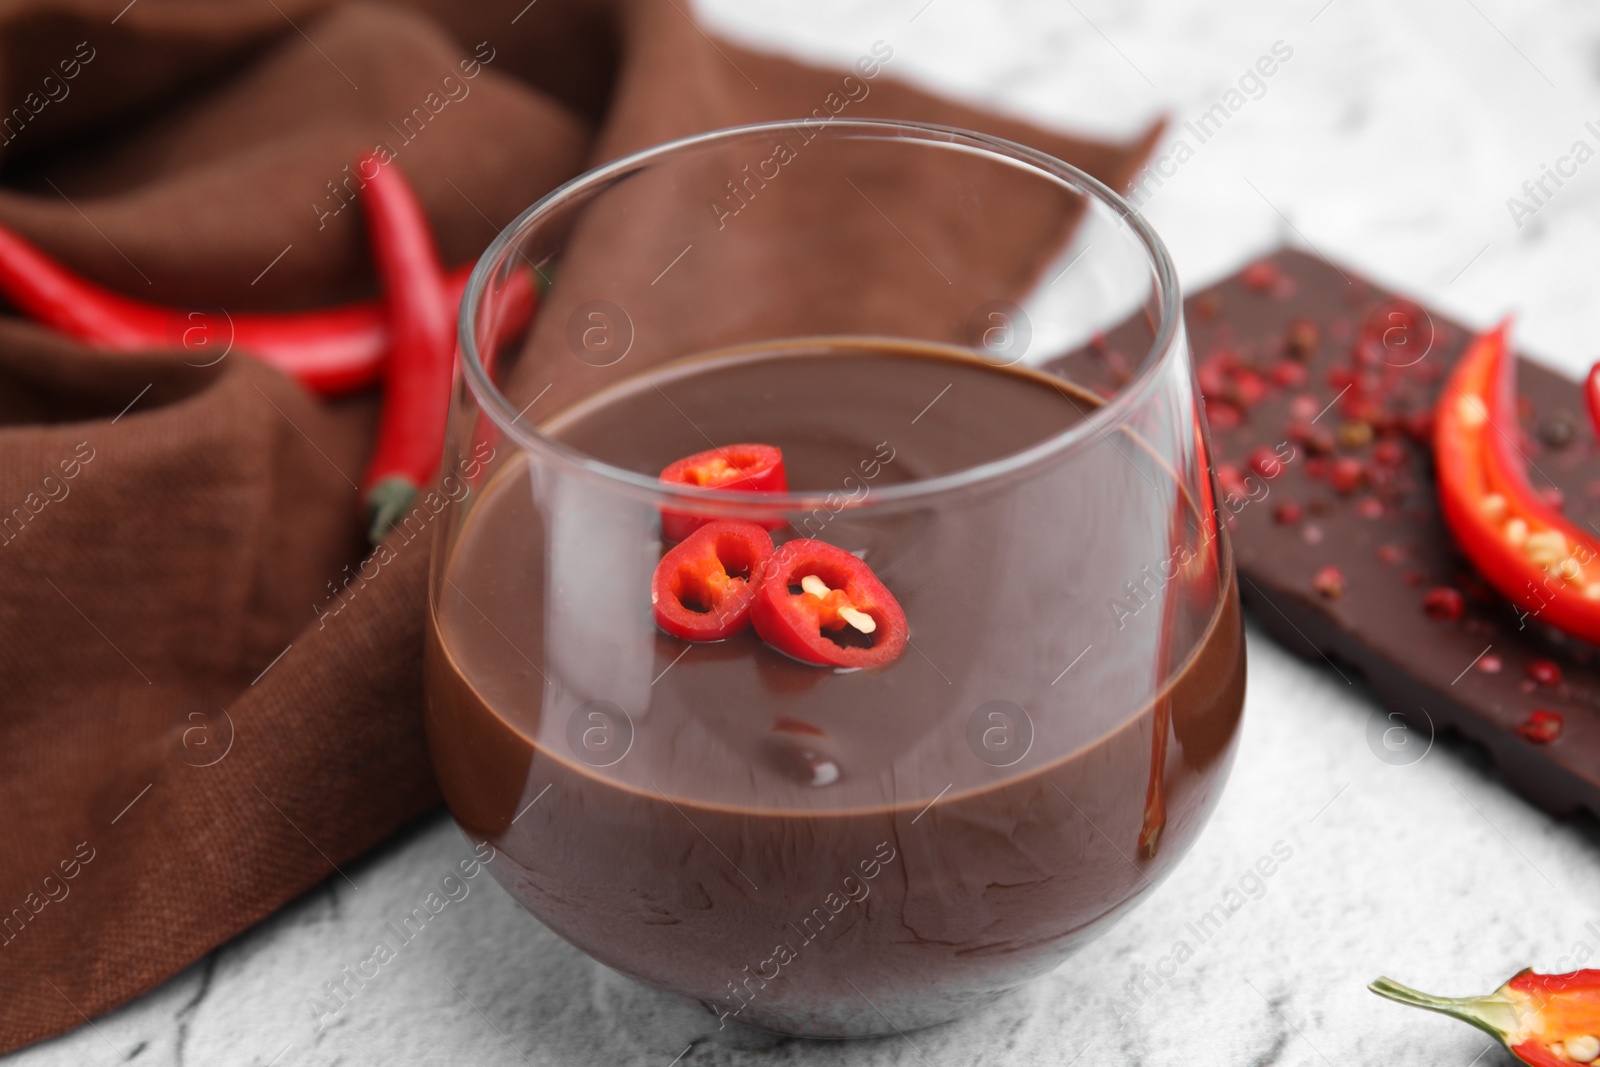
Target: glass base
(878,1017)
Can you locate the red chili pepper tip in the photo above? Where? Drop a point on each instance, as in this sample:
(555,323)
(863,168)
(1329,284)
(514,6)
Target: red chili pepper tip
(330,351)
(821,605)
(703,587)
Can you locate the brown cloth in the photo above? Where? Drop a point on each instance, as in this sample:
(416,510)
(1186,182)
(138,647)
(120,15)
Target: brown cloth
(184,744)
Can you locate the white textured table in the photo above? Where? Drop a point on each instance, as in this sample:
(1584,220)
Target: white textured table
(1390,141)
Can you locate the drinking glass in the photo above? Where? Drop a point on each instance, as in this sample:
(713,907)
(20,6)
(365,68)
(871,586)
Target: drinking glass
(814,851)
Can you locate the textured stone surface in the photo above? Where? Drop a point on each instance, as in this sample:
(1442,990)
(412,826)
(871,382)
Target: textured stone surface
(1389,141)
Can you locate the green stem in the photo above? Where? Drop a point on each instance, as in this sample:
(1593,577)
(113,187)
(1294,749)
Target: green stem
(387,502)
(1492,1014)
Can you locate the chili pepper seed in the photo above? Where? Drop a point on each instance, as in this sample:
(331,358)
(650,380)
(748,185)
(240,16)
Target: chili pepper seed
(1583,1049)
(858,619)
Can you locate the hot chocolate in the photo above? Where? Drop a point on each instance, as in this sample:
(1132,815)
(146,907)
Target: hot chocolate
(811,849)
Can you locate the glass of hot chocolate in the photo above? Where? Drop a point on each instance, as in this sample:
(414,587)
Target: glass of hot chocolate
(830,620)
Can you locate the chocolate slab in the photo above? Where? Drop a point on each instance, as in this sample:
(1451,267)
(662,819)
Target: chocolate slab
(1372,367)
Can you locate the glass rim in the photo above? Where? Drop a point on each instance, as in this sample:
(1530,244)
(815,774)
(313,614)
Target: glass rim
(1112,412)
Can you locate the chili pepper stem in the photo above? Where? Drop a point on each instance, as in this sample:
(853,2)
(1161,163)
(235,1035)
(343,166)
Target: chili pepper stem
(1492,1014)
(386,502)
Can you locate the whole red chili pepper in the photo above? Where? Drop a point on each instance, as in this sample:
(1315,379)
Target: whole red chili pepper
(1547,1020)
(810,590)
(703,587)
(330,351)
(750,468)
(416,398)
(1525,548)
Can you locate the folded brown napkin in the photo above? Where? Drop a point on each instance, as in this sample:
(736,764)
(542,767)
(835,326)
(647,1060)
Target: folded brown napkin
(187,738)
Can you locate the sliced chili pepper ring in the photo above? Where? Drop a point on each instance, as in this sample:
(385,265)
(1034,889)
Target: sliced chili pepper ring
(749,468)
(821,605)
(703,587)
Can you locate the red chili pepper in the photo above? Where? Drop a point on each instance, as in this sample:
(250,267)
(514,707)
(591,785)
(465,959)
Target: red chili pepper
(810,590)
(416,399)
(330,351)
(748,468)
(703,587)
(338,350)
(1525,548)
(1546,1020)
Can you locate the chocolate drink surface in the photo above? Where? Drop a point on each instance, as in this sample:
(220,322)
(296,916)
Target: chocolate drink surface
(800,848)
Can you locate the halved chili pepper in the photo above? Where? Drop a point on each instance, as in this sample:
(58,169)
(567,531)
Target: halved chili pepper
(329,351)
(821,605)
(703,587)
(416,397)
(749,468)
(1547,1020)
(1525,548)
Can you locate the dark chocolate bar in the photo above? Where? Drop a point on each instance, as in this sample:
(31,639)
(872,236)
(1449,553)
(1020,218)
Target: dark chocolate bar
(1343,556)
